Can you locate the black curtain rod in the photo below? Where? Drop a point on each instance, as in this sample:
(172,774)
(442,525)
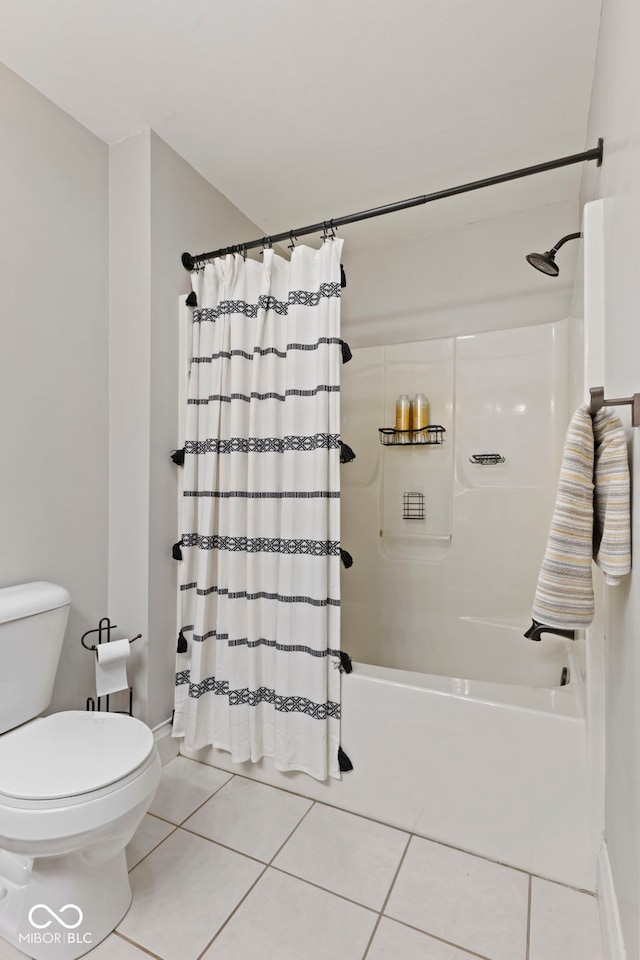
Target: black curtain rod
(190,262)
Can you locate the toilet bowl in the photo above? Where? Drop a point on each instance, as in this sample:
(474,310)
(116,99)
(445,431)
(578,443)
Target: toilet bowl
(73,788)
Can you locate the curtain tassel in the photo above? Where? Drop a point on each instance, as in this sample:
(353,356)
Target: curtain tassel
(345,662)
(176,551)
(346,351)
(178,457)
(343,761)
(346,558)
(182,643)
(343,277)
(192,300)
(346,453)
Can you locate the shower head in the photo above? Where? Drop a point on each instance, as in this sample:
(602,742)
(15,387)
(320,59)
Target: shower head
(546,262)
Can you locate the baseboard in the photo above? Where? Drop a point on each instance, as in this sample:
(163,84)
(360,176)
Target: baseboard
(612,939)
(168,747)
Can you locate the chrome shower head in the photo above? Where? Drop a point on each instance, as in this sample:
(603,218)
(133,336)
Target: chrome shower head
(546,262)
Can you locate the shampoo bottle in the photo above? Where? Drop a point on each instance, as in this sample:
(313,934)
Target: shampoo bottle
(420,418)
(403,417)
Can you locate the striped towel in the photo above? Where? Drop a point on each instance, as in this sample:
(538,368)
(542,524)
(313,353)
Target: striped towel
(564,594)
(612,527)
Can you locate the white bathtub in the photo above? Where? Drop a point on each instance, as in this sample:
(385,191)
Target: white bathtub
(499,769)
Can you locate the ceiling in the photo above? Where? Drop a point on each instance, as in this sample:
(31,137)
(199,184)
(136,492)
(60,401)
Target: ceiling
(303,110)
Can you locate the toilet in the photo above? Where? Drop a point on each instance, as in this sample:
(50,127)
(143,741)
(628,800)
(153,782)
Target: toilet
(73,788)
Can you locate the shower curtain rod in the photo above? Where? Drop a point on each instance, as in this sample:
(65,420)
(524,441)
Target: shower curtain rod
(190,262)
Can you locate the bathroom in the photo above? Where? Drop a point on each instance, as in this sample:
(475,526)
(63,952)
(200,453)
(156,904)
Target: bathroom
(88,488)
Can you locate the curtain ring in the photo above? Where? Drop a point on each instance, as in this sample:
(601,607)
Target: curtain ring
(325,230)
(293,239)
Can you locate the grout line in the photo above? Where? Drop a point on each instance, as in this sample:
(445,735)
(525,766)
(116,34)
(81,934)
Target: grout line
(200,805)
(206,800)
(395,877)
(528,942)
(234,911)
(137,864)
(386,899)
(310,883)
(434,936)
(303,817)
(235,849)
(133,943)
(218,843)
(163,819)
(245,776)
(392,826)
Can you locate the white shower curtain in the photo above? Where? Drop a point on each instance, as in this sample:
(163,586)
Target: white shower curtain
(260,516)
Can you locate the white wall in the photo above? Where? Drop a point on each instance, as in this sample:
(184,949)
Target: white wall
(90,269)
(615,115)
(53,345)
(160,207)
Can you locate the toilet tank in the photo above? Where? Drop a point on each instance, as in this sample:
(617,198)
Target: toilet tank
(33,618)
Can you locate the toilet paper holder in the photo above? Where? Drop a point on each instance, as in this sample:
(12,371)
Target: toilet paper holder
(103,630)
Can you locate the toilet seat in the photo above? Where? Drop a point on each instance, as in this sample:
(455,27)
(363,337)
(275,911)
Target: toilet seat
(71,755)
(118,753)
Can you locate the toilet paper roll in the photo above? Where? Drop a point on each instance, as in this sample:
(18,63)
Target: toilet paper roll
(111,667)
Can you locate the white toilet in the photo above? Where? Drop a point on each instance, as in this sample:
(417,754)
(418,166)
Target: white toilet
(73,788)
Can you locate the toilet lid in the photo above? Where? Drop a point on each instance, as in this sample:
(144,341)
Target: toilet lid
(71,753)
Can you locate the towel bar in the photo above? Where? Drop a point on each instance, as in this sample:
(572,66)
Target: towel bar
(598,401)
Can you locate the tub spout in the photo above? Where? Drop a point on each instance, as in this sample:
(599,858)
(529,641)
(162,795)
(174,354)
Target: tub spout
(536,630)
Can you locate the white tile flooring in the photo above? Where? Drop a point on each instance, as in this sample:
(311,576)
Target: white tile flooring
(223,868)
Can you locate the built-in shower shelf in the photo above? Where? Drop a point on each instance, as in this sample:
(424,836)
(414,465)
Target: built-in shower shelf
(425,437)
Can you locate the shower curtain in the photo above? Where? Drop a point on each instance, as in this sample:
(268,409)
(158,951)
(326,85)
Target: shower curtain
(260,514)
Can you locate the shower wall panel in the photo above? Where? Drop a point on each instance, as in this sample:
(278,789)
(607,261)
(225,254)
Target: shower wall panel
(415,586)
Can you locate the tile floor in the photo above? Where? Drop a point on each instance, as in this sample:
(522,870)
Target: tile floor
(223,868)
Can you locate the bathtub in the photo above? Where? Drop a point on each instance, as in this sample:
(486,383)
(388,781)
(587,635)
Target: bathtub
(496,768)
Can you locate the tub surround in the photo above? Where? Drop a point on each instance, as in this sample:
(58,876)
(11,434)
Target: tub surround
(504,392)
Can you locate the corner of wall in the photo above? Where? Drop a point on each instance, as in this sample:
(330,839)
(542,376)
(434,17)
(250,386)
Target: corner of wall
(610,924)
(129,401)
